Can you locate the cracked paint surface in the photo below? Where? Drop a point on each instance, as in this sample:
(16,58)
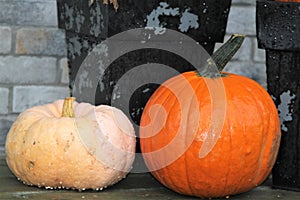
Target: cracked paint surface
(73,19)
(98,21)
(285,108)
(187,19)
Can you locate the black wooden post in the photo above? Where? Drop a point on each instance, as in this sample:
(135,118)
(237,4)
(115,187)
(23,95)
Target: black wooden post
(87,25)
(278,31)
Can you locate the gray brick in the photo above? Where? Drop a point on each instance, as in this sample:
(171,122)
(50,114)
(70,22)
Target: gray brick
(28,96)
(4,95)
(259,54)
(244,52)
(45,41)
(28,12)
(28,70)
(255,71)
(244,2)
(64,67)
(5,39)
(241,20)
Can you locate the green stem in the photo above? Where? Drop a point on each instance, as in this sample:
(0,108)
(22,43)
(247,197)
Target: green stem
(67,110)
(224,54)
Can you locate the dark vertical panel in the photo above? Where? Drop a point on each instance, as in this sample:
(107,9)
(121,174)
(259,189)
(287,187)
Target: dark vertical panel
(88,25)
(278,31)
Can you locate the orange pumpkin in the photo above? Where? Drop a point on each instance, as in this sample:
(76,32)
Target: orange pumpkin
(67,144)
(210,137)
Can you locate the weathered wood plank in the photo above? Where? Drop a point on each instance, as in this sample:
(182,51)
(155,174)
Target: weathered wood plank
(135,186)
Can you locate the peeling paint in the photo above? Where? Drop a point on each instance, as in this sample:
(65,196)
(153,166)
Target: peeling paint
(153,18)
(101,49)
(79,18)
(101,70)
(84,81)
(136,111)
(85,44)
(69,15)
(98,21)
(146,90)
(116,94)
(187,19)
(285,108)
(74,47)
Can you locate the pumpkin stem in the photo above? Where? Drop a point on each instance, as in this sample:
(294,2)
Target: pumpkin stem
(67,110)
(224,54)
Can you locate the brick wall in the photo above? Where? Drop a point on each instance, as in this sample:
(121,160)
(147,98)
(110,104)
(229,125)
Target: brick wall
(33,65)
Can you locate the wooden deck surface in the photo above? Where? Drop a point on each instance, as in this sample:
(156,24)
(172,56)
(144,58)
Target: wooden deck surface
(135,186)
